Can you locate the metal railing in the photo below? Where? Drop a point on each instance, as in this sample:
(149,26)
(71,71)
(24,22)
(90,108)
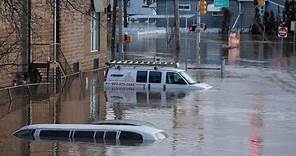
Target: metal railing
(43,53)
(63,62)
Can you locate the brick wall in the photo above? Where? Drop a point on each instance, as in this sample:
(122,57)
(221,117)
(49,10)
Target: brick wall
(75,36)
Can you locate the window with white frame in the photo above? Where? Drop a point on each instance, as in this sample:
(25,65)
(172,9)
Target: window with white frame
(95,31)
(184,7)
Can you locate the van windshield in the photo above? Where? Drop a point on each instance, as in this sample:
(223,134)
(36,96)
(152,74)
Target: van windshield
(187,77)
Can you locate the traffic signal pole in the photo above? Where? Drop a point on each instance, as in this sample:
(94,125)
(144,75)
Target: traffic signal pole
(198,33)
(113,30)
(177,30)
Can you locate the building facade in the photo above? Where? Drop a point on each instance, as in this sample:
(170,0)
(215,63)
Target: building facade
(81,39)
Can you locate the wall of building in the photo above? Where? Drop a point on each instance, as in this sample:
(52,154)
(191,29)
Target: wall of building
(75,33)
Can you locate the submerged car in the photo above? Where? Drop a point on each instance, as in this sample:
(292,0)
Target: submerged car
(149,75)
(104,132)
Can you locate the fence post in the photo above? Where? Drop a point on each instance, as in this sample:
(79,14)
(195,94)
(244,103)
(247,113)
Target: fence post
(222,66)
(10,97)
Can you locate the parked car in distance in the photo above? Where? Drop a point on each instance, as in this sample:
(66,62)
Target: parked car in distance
(150,75)
(108,132)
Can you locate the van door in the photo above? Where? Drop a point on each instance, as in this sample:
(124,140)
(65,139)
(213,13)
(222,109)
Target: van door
(174,81)
(154,80)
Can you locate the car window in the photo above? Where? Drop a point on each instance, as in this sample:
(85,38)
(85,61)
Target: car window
(187,77)
(52,134)
(124,135)
(154,77)
(142,76)
(99,135)
(111,135)
(26,133)
(174,78)
(84,134)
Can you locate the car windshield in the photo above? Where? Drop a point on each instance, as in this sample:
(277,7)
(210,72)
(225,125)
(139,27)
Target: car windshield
(187,77)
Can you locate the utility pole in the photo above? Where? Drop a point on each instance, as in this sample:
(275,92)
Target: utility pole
(113,29)
(125,13)
(29,35)
(120,42)
(198,32)
(177,30)
(55,44)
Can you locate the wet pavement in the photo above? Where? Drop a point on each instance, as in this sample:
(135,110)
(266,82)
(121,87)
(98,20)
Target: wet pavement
(250,111)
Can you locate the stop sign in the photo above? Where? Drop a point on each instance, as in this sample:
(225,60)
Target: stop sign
(282,32)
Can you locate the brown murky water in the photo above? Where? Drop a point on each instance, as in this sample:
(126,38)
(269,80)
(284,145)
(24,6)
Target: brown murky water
(251,111)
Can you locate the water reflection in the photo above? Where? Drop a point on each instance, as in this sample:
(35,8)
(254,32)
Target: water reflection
(257,124)
(143,98)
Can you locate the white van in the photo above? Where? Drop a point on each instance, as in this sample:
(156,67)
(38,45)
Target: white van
(101,132)
(149,75)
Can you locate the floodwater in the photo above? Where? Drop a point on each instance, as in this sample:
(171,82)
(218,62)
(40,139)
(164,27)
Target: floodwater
(250,111)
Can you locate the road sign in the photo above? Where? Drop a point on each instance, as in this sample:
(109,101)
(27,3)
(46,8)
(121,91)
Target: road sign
(282,32)
(221,3)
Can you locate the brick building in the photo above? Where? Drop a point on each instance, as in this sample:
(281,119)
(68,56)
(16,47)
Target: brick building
(81,39)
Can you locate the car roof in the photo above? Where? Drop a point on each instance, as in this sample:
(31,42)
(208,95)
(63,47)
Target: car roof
(92,127)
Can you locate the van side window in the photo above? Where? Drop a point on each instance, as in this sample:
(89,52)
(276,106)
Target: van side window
(124,135)
(26,133)
(110,135)
(154,77)
(52,134)
(174,78)
(83,134)
(142,76)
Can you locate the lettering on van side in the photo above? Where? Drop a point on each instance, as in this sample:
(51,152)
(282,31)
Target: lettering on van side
(120,84)
(126,78)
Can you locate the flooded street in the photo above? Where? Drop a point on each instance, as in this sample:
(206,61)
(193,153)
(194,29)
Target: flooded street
(250,111)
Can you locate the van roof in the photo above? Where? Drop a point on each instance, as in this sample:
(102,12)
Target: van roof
(140,67)
(90,127)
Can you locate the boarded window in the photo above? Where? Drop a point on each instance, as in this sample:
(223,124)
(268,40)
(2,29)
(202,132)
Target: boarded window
(96,63)
(142,76)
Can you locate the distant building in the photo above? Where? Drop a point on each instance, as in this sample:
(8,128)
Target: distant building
(242,12)
(138,7)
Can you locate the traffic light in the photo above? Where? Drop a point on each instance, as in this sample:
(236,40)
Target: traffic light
(192,28)
(261,2)
(127,38)
(203,7)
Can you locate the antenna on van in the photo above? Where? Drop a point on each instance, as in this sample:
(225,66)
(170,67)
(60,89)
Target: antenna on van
(144,63)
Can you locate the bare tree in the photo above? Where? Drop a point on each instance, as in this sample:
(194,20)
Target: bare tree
(20,22)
